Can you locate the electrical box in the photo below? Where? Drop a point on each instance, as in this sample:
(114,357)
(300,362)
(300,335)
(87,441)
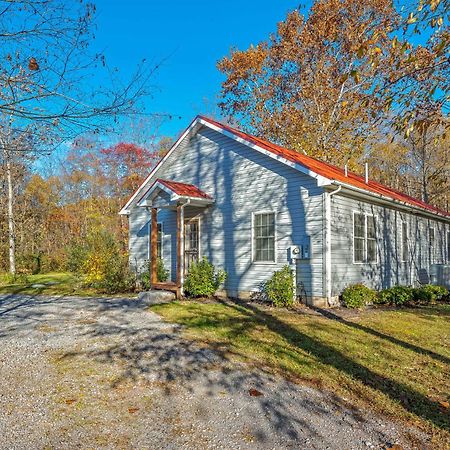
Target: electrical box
(299,252)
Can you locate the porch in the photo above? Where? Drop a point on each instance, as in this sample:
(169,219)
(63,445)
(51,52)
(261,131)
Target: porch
(175,198)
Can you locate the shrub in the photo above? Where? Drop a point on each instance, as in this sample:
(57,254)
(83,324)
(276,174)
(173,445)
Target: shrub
(162,274)
(77,255)
(203,280)
(104,267)
(396,296)
(430,293)
(279,289)
(358,295)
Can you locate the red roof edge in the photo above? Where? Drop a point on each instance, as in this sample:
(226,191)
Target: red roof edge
(329,171)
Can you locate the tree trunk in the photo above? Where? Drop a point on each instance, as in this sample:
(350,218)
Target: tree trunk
(11,232)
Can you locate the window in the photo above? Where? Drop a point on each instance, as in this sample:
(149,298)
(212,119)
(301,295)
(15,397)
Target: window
(404,241)
(264,237)
(364,238)
(359,237)
(371,239)
(431,244)
(448,246)
(159,241)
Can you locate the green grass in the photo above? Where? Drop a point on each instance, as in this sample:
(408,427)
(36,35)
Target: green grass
(395,362)
(55,283)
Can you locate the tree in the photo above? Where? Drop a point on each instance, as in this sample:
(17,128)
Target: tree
(45,67)
(418,85)
(311,85)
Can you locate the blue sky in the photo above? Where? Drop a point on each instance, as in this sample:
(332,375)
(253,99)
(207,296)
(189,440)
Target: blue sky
(191,36)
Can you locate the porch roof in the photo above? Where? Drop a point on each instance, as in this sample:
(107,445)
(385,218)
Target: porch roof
(177,191)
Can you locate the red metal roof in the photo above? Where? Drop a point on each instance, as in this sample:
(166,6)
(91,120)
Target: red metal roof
(328,170)
(183,189)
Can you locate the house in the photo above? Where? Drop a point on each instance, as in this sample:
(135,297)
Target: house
(252,207)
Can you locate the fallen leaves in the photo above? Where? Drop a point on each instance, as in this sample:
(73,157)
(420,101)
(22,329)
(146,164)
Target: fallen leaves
(255,393)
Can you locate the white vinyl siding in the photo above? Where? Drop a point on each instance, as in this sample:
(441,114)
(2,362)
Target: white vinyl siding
(264,237)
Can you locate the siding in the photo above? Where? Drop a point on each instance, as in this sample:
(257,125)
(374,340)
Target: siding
(389,270)
(242,182)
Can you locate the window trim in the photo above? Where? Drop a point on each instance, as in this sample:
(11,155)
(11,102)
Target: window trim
(403,257)
(365,260)
(448,246)
(255,213)
(149,251)
(162,240)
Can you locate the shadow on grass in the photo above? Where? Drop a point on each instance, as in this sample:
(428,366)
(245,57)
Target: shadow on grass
(411,400)
(331,315)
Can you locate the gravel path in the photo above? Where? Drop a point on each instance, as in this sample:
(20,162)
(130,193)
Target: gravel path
(107,373)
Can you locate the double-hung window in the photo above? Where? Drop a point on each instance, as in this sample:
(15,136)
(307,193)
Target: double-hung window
(448,246)
(364,238)
(159,241)
(404,241)
(264,237)
(432,244)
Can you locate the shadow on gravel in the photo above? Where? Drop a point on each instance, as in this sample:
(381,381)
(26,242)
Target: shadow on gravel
(157,352)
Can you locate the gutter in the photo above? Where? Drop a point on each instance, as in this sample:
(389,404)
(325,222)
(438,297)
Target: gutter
(411,208)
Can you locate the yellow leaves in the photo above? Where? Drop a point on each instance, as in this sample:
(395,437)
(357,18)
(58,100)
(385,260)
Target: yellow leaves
(411,19)
(95,268)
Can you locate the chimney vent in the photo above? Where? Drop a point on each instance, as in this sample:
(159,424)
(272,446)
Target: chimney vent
(346,170)
(367,172)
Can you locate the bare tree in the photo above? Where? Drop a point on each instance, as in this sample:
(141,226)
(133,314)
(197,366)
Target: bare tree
(49,83)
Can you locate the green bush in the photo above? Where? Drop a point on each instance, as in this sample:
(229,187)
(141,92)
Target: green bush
(279,289)
(203,280)
(77,255)
(104,267)
(396,296)
(162,274)
(358,296)
(430,293)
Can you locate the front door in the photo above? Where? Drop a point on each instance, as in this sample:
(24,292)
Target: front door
(191,243)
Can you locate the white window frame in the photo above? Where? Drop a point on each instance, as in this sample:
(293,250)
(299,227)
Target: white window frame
(432,245)
(404,236)
(365,261)
(150,240)
(162,240)
(255,213)
(448,246)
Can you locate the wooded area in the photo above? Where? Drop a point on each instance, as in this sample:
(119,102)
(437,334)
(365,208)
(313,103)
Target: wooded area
(349,82)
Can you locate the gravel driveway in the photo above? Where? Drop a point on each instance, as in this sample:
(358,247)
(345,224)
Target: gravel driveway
(107,373)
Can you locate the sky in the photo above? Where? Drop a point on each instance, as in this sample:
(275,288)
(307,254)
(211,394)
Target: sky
(189,37)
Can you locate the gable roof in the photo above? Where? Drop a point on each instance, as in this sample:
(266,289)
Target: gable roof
(181,189)
(324,172)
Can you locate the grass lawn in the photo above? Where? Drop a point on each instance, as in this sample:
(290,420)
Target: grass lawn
(57,283)
(396,362)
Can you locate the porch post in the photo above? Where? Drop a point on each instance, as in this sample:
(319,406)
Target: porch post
(180,268)
(153,247)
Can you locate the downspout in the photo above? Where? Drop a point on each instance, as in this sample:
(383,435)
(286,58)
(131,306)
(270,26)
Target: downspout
(327,214)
